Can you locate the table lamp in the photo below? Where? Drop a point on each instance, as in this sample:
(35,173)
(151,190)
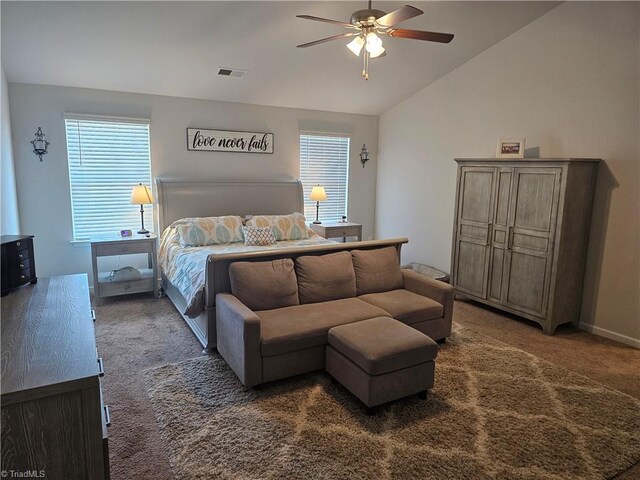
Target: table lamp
(141,195)
(318,195)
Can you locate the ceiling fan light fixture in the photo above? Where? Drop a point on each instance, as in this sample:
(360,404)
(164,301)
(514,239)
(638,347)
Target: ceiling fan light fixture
(374,45)
(373,42)
(376,53)
(356,45)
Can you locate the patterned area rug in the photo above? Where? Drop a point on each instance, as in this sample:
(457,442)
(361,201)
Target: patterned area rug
(495,412)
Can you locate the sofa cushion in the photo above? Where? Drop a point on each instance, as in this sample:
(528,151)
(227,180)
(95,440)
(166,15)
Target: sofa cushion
(264,285)
(305,326)
(377,270)
(406,306)
(382,345)
(325,277)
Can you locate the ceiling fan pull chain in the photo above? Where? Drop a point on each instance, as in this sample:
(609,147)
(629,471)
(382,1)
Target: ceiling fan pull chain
(366,77)
(364,63)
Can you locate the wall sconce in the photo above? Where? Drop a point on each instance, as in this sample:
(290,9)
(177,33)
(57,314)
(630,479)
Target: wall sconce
(39,144)
(364,155)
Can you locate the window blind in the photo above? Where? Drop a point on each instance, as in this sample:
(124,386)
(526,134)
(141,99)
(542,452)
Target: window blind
(324,160)
(107,158)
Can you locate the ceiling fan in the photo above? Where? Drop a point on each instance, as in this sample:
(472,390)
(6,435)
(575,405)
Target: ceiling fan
(368,24)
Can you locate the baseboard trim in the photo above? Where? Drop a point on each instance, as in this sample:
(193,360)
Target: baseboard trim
(603,332)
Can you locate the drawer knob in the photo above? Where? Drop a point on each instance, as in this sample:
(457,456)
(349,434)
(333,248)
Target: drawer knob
(22,265)
(20,256)
(22,277)
(127,287)
(17,244)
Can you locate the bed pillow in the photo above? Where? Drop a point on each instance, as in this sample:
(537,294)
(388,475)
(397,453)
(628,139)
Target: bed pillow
(284,227)
(325,277)
(258,236)
(264,285)
(196,232)
(377,270)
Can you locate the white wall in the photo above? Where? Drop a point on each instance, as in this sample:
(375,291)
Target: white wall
(568,82)
(43,188)
(9,220)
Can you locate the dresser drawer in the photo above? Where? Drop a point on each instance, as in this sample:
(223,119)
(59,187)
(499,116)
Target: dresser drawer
(20,276)
(122,249)
(17,264)
(17,252)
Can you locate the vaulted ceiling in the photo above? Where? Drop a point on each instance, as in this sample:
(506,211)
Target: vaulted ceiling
(176,48)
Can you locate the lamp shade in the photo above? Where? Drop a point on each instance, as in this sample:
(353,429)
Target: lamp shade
(141,195)
(356,45)
(318,194)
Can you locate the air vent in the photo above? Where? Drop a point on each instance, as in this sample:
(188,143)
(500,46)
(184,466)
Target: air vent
(232,72)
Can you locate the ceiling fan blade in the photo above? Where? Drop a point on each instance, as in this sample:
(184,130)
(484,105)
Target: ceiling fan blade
(399,15)
(420,35)
(326,20)
(328,39)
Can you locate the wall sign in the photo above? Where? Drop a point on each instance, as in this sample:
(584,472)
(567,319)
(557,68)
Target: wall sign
(201,139)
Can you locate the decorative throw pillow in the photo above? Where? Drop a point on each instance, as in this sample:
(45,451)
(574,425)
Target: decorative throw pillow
(258,236)
(196,232)
(284,227)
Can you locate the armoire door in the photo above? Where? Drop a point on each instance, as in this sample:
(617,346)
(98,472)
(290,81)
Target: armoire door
(499,235)
(474,216)
(530,236)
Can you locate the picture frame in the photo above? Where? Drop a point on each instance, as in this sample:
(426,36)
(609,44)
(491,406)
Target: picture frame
(510,148)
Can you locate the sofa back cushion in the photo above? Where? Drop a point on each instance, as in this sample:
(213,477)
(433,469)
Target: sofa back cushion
(325,277)
(264,285)
(377,270)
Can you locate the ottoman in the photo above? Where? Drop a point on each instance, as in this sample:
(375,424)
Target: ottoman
(381,359)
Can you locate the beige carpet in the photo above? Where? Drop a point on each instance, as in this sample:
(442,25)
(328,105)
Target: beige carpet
(495,412)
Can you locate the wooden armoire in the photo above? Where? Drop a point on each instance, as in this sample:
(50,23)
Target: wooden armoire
(520,235)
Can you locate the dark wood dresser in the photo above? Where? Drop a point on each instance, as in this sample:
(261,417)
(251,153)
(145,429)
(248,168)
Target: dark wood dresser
(18,262)
(53,417)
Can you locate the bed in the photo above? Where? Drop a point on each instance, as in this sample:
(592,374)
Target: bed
(207,267)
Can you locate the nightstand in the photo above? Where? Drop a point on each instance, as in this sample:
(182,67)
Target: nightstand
(104,285)
(337,229)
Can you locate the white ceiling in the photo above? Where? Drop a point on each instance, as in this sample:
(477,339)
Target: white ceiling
(176,48)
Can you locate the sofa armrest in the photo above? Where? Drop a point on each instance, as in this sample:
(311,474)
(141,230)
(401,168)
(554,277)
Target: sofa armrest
(441,292)
(238,330)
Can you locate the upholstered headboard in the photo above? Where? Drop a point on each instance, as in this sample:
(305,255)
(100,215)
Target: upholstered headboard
(178,198)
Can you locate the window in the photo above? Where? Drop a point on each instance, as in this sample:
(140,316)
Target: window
(324,160)
(107,158)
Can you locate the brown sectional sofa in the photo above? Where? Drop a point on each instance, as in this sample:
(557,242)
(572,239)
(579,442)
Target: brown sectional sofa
(274,324)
